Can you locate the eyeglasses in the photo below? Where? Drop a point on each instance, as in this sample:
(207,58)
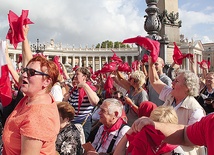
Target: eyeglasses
(31,72)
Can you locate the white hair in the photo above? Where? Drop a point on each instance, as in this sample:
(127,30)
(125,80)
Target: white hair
(114,106)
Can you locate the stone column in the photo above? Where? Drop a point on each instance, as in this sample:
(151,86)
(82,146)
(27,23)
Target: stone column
(107,59)
(126,59)
(66,60)
(60,58)
(73,61)
(80,61)
(100,65)
(86,61)
(14,57)
(93,64)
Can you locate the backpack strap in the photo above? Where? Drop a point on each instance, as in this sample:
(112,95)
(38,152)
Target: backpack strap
(114,140)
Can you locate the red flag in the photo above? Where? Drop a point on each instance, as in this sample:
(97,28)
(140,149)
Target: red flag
(15,33)
(124,67)
(145,58)
(108,86)
(115,58)
(204,63)
(5,85)
(178,56)
(149,44)
(109,67)
(56,61)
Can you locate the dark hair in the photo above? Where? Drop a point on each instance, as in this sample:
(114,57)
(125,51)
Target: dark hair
(66,110)
(85,71)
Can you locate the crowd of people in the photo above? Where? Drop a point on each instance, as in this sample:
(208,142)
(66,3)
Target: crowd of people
(112,111)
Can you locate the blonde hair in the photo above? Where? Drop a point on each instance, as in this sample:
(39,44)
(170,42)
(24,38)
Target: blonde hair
(139,77)
(164,114)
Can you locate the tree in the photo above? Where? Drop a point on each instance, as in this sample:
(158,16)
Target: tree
(110,44)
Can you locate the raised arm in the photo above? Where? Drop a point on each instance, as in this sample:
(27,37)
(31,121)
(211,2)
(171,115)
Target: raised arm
(11,68)
(65,71)
(26,51)
(154,80)
(120,80)
(192,65)
(92,96)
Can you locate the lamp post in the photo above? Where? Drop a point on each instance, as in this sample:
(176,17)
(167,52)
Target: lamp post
(38,48)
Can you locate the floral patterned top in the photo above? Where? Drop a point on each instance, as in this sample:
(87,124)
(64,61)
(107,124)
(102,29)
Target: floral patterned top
(68,141)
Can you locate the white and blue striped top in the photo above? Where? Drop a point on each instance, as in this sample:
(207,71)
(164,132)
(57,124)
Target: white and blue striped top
(85,109)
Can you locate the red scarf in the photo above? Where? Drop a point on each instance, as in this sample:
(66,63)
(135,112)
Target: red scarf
(82,93)
(114,127)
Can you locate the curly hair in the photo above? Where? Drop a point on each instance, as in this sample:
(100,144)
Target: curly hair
(191,81)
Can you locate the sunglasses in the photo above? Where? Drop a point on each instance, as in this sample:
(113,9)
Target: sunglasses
(31,72)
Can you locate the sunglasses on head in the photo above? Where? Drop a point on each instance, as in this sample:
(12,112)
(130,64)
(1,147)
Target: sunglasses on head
(31,72)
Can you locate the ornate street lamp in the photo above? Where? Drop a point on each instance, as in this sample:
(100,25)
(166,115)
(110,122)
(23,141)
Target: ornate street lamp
(38,48)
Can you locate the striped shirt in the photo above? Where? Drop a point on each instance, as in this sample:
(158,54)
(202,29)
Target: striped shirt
(85,109)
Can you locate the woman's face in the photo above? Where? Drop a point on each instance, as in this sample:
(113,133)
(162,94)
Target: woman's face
(210,80)
(178,85)
(79,77)
(33,84)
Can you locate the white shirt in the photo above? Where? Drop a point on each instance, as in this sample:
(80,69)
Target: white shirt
(56,91)
(195,116)
(103,148)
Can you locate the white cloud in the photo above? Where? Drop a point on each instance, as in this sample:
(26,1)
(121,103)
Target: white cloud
(197,25)
(78,22)
(206,39)
(91,22)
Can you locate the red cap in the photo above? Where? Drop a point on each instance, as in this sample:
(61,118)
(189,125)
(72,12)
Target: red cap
(145,109)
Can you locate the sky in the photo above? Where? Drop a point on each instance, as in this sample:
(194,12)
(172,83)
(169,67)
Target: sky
(89,22)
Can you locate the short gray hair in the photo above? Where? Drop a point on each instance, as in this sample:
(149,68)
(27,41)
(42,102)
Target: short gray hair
(191,81)
(114,106)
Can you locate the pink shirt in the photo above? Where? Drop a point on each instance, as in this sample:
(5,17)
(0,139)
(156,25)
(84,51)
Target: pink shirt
(39,121)
(201,133)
